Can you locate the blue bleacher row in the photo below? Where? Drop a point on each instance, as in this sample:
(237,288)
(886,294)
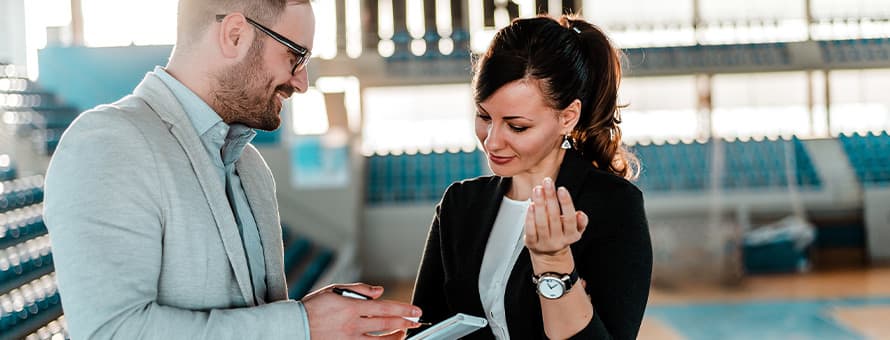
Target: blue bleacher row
(20,193)
(36,302)
(29,301)
(420,177)
(748,165)
(699,56)
(33,113)
(402,41)
(870,156)
(21,225)
(16,84)
(668,167)
(16,99)
(856,50)
(7,169)
(22,260)
(54,330)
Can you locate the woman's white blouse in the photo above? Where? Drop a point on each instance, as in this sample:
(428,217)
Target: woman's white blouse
(503,248)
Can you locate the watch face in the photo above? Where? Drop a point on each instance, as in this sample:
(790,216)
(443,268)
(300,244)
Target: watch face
(551,288)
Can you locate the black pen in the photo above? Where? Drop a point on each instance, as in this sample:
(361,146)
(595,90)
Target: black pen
(359,296)
(351,294)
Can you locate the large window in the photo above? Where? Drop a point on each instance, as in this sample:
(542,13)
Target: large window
(418,119)
(859,101)
(757,105)
(122,23)
(659,109)
(635,23)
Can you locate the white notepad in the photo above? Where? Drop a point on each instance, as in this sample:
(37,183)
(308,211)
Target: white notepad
(452,328)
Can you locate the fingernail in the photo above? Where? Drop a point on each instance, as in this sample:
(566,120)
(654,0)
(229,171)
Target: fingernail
(537,190)
(376,288)
(563,190)
(548,181)
(416,312)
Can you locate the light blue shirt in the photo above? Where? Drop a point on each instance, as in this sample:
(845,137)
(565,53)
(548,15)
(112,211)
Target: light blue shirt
(224,144)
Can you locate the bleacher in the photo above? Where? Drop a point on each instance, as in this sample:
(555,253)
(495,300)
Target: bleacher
(419,177)
(869,155)
(750,165)
(677,181)
(29,301)
(32,113)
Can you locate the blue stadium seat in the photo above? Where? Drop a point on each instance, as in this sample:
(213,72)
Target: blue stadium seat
(419,177)
(868,156)
(24,262)
(21,225)
(749,165)
(24,309)
(674,167)
(20,193)
(8,170)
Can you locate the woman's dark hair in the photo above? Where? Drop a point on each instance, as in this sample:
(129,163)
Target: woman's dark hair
(569,59)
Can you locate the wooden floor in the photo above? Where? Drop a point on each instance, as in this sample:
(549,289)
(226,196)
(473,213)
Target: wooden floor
(826,295)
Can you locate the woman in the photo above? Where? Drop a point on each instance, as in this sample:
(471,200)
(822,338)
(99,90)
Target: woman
(556,244)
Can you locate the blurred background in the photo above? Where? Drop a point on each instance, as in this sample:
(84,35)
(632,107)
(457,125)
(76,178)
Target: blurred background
(761,126)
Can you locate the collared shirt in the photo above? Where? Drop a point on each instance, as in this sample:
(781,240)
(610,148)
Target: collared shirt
(224,144)
(503,248)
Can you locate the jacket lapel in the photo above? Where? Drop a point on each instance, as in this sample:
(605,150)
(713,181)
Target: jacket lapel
(478,234)
(260,191)
(166,106)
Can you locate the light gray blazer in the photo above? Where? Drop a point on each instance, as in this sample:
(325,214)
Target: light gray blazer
(144,240)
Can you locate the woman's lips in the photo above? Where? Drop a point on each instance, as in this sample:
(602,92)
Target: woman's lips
(499,160)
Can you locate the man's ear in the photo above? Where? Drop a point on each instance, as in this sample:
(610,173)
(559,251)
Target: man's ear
(234,36)
(569,116)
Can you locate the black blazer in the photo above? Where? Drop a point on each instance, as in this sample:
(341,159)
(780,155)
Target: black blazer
(614,255)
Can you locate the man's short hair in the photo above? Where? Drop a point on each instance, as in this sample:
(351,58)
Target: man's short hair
(195,16)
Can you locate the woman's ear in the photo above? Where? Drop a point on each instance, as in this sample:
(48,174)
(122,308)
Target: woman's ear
(569,116)
(234,36)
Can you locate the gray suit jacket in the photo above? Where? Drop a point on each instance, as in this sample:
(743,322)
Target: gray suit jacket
(144,240)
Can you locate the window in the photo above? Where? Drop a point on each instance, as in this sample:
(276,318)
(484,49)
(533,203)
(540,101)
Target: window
(418,119)
(756,105)
(122,23)
(658,109)
(859,101)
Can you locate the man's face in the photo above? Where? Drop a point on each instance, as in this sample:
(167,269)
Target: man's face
(252,92)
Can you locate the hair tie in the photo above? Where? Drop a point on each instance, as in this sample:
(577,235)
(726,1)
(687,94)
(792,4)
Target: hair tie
(576,30)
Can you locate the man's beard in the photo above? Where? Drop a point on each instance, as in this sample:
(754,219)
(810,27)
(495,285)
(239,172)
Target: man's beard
(243,94)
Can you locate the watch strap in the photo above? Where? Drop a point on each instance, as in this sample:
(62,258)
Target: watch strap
(568,279)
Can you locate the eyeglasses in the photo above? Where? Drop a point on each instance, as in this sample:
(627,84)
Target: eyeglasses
(301,53)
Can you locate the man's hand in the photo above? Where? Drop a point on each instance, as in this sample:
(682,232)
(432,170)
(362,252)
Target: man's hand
(332,316)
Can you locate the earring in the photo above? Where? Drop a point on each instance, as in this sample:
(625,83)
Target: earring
(566,144)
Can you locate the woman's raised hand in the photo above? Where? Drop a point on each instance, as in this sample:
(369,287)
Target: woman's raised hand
(552,224)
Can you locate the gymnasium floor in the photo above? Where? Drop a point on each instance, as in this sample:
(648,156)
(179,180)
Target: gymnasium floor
(849,304)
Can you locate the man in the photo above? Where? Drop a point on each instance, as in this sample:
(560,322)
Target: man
(163,217)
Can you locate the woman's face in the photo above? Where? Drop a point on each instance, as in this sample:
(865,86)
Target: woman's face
(519,132)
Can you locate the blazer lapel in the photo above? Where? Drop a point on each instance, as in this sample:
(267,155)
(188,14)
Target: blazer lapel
(260,191)
(166,106)
(479,232)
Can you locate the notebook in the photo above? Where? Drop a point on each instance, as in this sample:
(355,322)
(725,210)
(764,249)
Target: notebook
(452,328)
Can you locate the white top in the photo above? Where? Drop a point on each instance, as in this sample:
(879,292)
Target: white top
(503,248)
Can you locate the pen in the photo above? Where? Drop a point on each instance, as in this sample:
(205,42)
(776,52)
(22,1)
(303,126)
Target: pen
(359,296)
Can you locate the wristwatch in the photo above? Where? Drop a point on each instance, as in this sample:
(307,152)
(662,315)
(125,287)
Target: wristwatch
(553,286)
